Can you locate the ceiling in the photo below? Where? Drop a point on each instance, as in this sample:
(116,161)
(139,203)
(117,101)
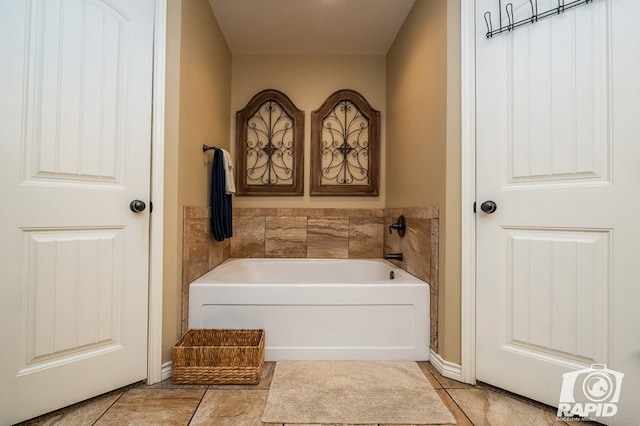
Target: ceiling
(310,27)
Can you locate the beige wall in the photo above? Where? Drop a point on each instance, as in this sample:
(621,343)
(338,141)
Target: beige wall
(198,110)
(308,81)
(172,258)
(423,141)
(451,257)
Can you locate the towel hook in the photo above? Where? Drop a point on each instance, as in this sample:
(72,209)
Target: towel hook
(487,20)
(206,148)
(512,24)
(509,9)
(534,11)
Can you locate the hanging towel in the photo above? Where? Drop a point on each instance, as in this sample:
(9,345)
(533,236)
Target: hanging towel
(221,226)
(230,184)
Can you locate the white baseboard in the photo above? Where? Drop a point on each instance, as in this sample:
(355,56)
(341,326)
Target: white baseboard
(166,370)
(446,368)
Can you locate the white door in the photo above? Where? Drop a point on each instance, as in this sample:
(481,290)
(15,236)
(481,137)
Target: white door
(75,102)
(558,151)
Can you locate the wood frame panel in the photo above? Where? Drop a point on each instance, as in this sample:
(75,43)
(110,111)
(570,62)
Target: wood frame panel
(295,146)
(320,148)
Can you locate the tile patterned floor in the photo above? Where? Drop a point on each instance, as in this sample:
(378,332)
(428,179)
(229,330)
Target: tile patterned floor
(181,405)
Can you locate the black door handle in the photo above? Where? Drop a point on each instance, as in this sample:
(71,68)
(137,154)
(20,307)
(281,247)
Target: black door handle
(488,207)
(137,206)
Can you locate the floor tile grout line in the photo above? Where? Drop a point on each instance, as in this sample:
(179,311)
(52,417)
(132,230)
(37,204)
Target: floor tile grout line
(109,407)
(197,406)
(458,405)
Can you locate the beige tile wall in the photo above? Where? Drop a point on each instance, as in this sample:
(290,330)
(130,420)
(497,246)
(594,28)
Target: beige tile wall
(419,248)
(321,233)
(200,252)
(304,232)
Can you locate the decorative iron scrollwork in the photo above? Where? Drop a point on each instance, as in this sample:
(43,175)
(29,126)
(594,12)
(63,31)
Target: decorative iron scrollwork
(270,145)
(345,144)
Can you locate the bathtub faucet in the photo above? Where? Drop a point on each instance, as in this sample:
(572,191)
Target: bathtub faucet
(400,226)
(394,256)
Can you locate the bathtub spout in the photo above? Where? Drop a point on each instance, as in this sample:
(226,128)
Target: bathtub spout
(394,256)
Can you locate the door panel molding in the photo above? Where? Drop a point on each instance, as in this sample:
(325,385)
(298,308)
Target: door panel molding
(71,66)
(555,306)
(546,141)
(72,287)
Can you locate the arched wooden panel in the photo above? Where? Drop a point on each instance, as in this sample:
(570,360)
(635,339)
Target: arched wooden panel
(345,146)
(269,146)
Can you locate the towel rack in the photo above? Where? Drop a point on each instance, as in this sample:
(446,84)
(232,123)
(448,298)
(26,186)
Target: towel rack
(535,16)
(206,148)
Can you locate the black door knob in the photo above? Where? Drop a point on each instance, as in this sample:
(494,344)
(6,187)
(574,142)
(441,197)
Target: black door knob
(137,206)
(488,207)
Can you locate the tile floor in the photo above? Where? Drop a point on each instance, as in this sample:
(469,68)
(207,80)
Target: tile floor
(180,405)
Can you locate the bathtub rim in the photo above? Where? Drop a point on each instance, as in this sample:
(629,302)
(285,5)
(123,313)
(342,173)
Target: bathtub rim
(405,277)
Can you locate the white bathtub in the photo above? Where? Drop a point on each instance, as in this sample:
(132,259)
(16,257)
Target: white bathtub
(318,309)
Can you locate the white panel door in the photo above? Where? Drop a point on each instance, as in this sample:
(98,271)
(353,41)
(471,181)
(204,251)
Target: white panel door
(75,102)
(558,151)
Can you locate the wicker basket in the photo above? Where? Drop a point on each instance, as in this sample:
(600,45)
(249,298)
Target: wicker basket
(221,357)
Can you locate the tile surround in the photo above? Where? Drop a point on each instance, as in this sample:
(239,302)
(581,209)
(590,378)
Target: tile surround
(366,237)
(328,237)
(315,232)
(285,236)
(249,234)
(419,248)
(200,252)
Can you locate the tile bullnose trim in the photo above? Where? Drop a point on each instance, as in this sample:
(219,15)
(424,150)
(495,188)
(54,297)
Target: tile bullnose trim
(416,212)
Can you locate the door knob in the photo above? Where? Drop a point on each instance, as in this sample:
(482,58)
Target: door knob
(488,207)
(137,206)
